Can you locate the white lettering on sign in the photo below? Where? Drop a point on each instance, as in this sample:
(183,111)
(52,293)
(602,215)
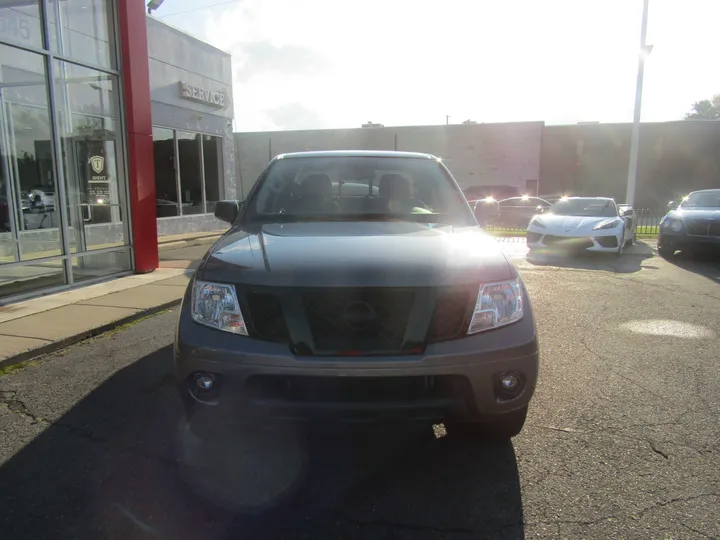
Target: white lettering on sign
(204,95)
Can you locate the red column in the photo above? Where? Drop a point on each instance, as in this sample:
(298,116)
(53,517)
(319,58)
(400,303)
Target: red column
(141,169)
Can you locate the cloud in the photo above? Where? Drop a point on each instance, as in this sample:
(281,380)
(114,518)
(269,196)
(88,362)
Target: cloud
(263,57)
(331,63)
(295,116)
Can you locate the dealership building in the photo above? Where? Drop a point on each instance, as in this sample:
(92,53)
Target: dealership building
(115,128)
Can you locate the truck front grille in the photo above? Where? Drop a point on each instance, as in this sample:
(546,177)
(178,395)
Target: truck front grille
(266,317)
(358,321)
(453,309)
(700,227)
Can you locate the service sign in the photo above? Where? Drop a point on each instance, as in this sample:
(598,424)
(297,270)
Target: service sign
(203,95)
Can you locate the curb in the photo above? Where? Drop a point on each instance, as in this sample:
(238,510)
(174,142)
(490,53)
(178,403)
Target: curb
(82,336)
(179,244)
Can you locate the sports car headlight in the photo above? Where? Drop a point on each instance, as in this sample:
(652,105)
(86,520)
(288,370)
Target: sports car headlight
(216,305)
(608,224)
(673,224)
(497,304)
(538,223)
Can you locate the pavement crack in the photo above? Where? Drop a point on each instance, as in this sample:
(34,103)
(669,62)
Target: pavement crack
(704,535)
(620,374)
(7,398)
(657,450)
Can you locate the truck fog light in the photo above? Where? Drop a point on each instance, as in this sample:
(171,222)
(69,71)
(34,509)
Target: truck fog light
(204,381)
(509,382)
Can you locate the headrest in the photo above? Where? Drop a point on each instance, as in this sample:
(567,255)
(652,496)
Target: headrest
(319,185)
(394,186)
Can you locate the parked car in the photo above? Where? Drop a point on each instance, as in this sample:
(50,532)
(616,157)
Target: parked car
(583,224)
(517,212)
(497,192)
(693,224)
(322,305)
(630,216)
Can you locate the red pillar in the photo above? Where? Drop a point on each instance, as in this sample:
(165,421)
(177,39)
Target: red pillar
(141,169)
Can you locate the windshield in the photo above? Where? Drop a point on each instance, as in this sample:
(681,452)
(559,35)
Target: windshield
(358,188)
(584,207)
(706,199)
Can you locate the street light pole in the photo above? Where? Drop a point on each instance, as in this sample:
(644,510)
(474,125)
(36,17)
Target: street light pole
(635,136)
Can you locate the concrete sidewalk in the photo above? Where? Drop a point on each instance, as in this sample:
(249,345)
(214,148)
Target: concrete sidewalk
(45,324)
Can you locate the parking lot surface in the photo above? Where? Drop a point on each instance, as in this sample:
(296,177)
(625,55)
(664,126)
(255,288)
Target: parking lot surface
(622,438)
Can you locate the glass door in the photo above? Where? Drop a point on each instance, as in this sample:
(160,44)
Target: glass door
(86,101)
(31,241)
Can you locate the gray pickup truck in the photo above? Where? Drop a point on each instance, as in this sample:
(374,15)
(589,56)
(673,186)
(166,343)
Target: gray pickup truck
(356,287)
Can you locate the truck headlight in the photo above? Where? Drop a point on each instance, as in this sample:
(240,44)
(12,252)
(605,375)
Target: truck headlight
(497,304)
(608,224)
(673,224)
(216,305)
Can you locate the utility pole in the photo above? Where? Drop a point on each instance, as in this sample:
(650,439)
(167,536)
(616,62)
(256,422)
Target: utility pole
(447,119)
(635,136)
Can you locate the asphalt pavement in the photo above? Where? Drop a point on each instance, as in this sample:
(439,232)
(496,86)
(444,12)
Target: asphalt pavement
(622,439)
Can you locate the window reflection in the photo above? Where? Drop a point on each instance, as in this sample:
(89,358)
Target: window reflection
(20,22)
(87,112)
(212,157)
(165,182)
(191,192)
(191,182)
(80,29)
(27,182)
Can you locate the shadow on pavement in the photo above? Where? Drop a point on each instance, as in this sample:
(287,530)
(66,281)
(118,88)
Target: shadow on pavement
(703,264)
(630,261)
(121,464)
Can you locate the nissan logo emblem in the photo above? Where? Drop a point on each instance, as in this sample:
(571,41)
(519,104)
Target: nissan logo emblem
(359,315)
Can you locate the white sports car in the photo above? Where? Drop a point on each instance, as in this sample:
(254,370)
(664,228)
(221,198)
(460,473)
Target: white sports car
(583,224)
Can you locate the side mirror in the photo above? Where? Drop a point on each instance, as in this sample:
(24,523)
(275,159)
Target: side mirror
(627,212)
(486,211)
(228,211)
(672,205)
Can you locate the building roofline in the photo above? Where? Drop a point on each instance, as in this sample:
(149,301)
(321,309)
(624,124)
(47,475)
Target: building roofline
(186,34)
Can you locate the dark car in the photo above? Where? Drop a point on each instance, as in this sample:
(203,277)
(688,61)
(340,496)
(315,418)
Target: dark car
(517,212)
(355,286)
(694,224)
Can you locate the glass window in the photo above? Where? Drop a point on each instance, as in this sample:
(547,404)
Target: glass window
(30,217)
(165,181)
(191,192)
(20,22)
(358,188)
(97,265)
(81,30)
(87,120)
(212,160)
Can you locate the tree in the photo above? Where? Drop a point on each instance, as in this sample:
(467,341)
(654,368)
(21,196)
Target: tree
(468,121)
(705,109)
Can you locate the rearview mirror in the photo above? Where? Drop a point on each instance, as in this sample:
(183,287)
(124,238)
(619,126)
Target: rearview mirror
(486,210)
(672,205)
(228,210)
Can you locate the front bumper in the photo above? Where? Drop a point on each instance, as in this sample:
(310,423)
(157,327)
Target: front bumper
(609,241)
(680,240)
(257,380)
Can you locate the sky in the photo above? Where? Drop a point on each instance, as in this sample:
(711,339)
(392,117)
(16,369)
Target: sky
(309,64)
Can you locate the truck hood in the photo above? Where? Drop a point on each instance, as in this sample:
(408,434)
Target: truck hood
(700,213)
(364,254)
(570,225)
